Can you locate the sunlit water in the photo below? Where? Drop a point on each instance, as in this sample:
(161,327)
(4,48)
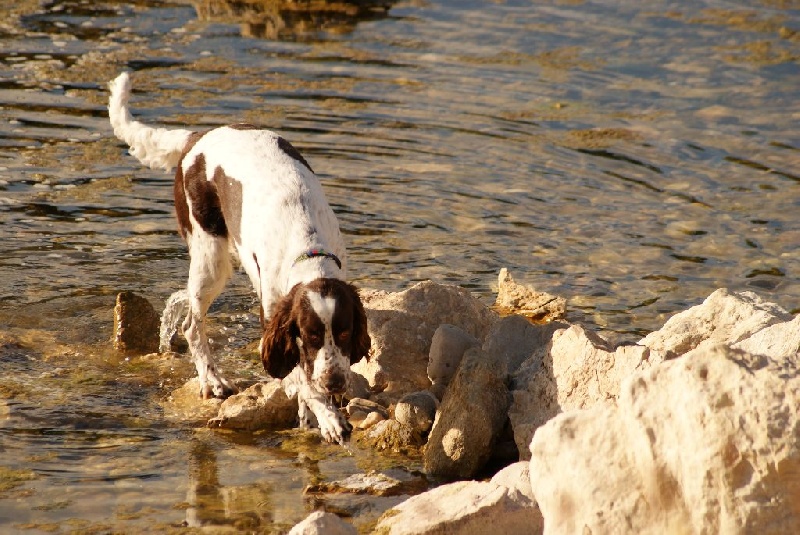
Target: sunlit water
(629,156)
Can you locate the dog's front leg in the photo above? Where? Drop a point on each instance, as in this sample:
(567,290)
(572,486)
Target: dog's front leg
(209,269)
(212,382)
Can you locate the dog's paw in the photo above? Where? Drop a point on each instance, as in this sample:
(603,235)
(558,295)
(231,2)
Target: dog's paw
(334,427)
(217,386)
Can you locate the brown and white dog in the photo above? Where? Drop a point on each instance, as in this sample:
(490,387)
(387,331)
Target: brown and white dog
(246,194)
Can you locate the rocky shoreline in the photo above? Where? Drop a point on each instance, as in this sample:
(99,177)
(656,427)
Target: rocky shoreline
(693,428)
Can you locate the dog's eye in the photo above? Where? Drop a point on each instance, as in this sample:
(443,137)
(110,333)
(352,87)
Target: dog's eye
(314,339)
(343,336)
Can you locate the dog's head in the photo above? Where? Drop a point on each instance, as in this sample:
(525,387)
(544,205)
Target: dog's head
(322,326)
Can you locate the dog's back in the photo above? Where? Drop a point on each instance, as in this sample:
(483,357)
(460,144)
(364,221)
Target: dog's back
(270,202)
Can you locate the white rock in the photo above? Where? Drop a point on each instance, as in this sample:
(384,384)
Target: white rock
(779,340)
(465,508)
(723,317)
(322,523)
(709,443)
(516,478)
(370,420)
(576,370)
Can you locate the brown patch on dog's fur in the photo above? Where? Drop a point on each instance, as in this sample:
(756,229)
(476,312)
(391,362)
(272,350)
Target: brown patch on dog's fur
(181,206)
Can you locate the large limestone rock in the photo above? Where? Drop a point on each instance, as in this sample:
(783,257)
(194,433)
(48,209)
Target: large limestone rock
(575,370)
(470,418)
(724,317)
(401,326)
(779,340)
(502,505)
(709,443)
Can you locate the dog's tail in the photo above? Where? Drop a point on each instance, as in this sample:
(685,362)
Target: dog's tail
(154,147)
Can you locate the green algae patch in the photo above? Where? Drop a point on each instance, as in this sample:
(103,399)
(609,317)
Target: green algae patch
(11,479)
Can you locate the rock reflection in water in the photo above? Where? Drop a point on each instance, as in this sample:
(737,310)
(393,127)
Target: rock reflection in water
(212,504)
(287,19)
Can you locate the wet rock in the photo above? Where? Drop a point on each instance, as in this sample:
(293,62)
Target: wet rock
(391,435)
(370,420)
(466,508)
(186,405)
(365,406)
(708,443)
(575,370)
(417,410)
(261,406)
(724,317)
(402,325)
(470,418)
(322,523)
(513,298)
(136,324)
(359,410)
(447,348)
(389,483)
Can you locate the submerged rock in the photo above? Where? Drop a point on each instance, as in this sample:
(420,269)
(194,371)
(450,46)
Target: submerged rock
(185,404)
(709,443)
(136,324)
(389,483)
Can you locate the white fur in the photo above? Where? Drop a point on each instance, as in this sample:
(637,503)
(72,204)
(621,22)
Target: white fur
(154,147)
(329,357)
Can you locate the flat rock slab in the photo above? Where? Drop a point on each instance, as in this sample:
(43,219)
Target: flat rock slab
(389,483)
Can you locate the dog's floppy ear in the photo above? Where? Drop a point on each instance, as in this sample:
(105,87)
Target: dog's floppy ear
(279,351)
(361,340)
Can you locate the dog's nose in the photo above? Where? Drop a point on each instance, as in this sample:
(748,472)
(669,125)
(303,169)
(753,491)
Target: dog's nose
(335,384)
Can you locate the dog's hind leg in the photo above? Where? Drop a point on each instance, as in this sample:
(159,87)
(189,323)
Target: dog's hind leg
(209,270)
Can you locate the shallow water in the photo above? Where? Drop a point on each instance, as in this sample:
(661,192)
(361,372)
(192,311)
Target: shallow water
(629,156)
